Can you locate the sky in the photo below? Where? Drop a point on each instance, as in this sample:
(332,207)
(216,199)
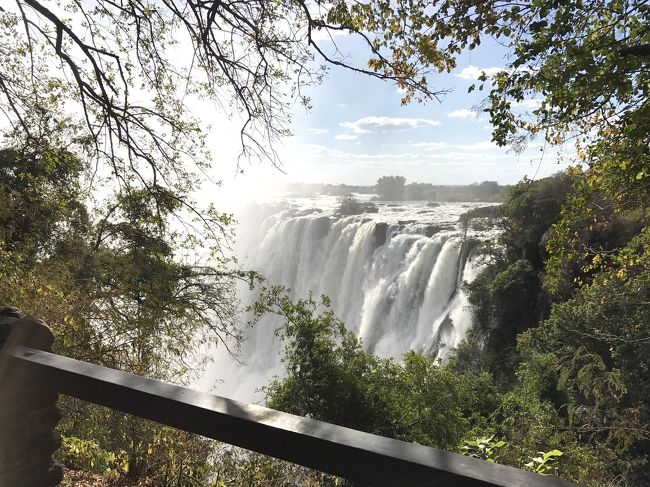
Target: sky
(358,131)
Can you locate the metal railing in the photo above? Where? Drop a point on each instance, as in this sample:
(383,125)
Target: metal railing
(355,455)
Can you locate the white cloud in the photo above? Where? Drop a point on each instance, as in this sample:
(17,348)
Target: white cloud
(430,145)
(321,156)
(387,124)
(432,158)
(345,137)
(479,146)
(462,113)
(318,131)
(473,72)
(477,151)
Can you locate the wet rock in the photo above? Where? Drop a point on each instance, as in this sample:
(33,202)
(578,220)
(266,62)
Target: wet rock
(370,208)
(379,233)
(358,208)
(431,230)
(308,211)
(320,227)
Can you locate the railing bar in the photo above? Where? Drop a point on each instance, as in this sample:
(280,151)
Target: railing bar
(358,456)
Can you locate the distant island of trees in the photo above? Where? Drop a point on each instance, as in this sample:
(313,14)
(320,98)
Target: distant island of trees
(395,188)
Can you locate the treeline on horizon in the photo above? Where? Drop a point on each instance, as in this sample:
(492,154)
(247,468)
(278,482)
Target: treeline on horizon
(395,188)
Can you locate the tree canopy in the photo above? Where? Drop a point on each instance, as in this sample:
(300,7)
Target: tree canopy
(331,378)
(132,66)
(390,187)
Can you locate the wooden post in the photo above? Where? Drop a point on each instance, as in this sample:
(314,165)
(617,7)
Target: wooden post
(28,412)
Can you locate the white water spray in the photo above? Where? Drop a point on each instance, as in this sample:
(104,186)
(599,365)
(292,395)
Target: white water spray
(394,277)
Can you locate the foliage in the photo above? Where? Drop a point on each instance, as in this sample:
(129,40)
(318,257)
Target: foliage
(529,210)
(88,455)
(511,294)
(573,380)
(492,213)
(597,344)
(148,453)
(236,467)
(120,274)
(485,448)
(390,188)
(487,189)
(531,424)
(42,210)
(587,65)
(544,464)
(581,387)
(596,234)
(117,287)
(504,304)
(349,205)
(602,84)
(330,377)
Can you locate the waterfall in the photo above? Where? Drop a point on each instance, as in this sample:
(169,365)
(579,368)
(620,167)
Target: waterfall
(393,277)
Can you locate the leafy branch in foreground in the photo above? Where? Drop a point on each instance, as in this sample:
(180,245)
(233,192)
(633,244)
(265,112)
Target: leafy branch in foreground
(120,287)
(133,67)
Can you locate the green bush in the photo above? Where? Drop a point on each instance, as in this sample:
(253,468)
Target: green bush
(79,454)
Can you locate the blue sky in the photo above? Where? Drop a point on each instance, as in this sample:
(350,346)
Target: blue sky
(357,131)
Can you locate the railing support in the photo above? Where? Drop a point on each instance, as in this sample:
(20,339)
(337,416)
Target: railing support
(31,377)
(361,457)
(28,412)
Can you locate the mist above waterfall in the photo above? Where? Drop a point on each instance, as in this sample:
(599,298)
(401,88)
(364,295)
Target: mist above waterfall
(394,277)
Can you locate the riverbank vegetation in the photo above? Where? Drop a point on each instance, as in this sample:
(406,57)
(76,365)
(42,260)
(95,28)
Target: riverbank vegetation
(547,373)
(119,288)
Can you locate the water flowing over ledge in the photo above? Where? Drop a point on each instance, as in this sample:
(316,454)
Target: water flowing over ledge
(394,277)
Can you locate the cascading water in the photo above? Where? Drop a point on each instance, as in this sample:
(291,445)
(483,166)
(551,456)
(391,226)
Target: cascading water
(394,277)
